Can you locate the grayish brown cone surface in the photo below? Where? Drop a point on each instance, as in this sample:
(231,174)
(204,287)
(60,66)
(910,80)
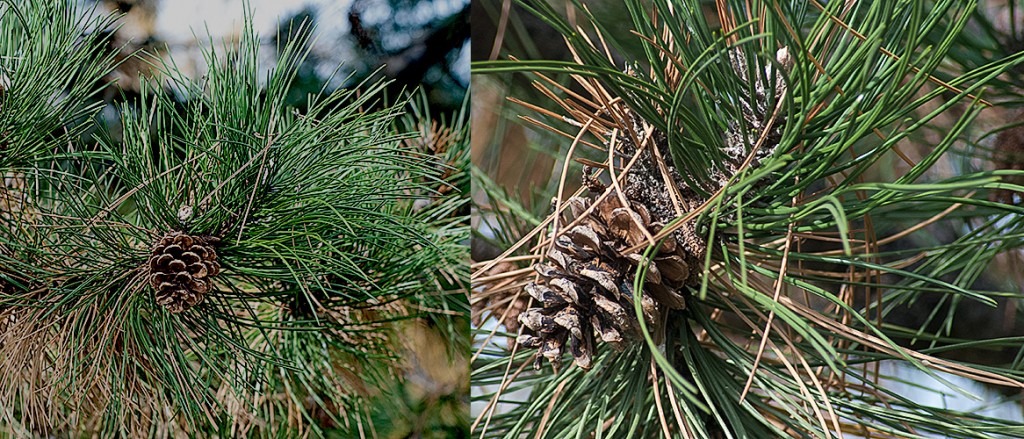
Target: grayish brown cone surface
(180,269)
(585,291)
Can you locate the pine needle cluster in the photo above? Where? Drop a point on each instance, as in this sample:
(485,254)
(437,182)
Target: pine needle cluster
(758,137)
(227,264)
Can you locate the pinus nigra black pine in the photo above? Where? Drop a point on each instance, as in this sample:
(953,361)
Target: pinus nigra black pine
(741,207)
(228,265)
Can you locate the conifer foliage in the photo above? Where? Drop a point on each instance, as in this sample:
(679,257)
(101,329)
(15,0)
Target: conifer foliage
(747,224)
(227,264)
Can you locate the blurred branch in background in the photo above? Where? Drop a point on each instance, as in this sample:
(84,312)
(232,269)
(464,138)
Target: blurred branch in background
(421,43)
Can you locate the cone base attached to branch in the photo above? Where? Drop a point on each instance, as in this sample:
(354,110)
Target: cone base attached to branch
(586,285)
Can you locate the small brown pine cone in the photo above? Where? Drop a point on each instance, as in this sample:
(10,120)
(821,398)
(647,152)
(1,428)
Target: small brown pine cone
(180,269)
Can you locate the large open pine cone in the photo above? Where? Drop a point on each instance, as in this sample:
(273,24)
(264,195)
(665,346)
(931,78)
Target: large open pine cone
(180,269)
(587,282)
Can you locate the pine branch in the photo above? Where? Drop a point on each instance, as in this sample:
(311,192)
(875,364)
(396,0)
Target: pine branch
(48,71)
(754,149)
(230,264)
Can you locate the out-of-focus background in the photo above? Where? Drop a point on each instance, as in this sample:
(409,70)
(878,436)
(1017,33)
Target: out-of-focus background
(414,44)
